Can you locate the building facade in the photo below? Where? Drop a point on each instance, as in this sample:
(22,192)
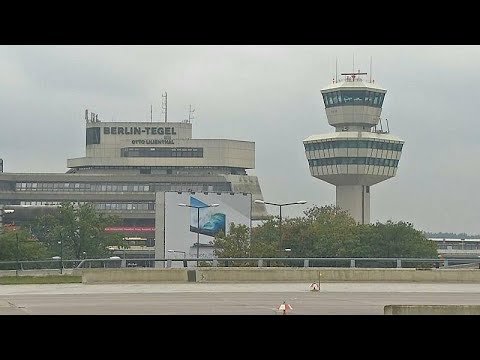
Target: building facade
(126,164)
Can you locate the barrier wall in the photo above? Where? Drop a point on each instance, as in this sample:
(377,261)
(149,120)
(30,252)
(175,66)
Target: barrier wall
(91,276)
(277,274)
(431,310)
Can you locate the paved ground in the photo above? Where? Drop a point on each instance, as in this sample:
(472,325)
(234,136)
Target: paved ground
(231,299)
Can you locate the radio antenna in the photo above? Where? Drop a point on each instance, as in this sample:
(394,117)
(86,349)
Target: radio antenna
(190,114)
(151,113)
(336,70)
(370,69)
(164,105)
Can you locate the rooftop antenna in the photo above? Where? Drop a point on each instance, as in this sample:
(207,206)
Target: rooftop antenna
(164,105)
(151,113)
(336,70)
(388,128)
(353,74)
(190,114)
(370,69)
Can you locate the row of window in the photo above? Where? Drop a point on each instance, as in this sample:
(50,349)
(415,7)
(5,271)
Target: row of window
(353,161)
(466,246)
(163,152)
(353,97)
(100,206)
(354,144)
(69,187)
(125,206)
(86,187)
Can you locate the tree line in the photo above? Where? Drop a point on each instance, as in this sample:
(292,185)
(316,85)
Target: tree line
(70,230)
(323,232)
(326,232)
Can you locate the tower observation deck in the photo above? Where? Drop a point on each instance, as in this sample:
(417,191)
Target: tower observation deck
(359,154)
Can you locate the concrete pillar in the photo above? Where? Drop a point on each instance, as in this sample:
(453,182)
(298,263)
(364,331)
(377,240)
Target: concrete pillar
(215,262)
(399,263)
(160,228)
(260,262)
(356,200)
(306,263)
(352,263)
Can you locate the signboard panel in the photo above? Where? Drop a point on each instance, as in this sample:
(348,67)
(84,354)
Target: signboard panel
(197,223)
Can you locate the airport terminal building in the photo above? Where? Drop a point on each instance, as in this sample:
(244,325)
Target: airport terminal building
(126,164)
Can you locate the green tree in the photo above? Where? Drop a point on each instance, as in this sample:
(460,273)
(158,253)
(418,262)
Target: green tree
(235,244)
(393,239)
(28,248)
(265,239)
(326,232)
(332,232)
(80,229)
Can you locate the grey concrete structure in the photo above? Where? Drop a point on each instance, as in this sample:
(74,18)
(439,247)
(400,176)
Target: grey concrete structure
(228,298)
(358,155)
(126,164)
(432,310)
(252,275)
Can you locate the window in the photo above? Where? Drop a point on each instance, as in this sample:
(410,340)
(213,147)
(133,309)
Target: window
(93,136)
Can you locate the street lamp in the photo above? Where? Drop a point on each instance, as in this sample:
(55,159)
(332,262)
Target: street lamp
(198,222)
(18,255)
(61,256)
(300,202)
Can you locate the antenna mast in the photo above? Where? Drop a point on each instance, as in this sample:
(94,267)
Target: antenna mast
(151,113)
(370,69)
(336,70)
(164,105)
(190,114)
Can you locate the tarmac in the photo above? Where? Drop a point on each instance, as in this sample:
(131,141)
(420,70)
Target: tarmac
(228,298)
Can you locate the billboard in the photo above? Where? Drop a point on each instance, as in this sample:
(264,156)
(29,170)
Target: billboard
(195,224)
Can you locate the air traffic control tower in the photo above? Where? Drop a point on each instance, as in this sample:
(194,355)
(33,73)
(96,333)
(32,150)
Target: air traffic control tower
(361,152)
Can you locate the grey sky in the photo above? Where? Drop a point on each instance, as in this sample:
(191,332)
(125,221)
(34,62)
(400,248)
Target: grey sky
(266,94)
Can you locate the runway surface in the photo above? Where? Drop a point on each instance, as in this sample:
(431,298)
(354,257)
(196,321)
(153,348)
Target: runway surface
(227,299)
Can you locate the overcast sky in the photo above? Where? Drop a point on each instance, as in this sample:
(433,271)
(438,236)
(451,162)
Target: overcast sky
(266,94)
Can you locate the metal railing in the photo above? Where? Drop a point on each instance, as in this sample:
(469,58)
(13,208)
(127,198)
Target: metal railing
(417,263)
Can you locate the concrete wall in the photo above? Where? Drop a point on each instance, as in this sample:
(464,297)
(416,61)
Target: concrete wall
(277,274)
(336,275)
(431,310)
(92,276)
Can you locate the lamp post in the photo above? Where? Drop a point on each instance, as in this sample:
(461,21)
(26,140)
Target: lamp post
(198,222)
(18,255)
(300,202)
(61,256)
